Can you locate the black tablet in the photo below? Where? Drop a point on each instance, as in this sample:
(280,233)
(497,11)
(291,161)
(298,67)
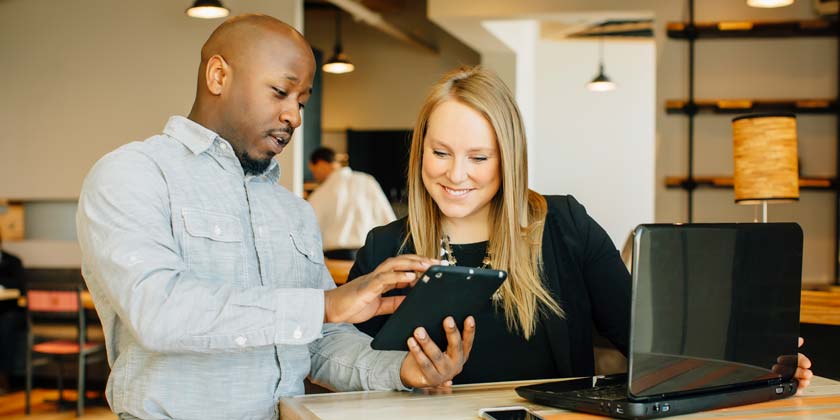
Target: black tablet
(441,291)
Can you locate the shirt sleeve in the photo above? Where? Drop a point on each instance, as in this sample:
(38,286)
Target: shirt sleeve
(606,277)
(132,263)
(344,361)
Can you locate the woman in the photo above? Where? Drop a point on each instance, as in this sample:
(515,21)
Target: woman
(469,203)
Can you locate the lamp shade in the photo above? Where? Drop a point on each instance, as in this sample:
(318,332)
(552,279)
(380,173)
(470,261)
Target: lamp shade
(768,4)
(764,149)
(339,63)
(208,9)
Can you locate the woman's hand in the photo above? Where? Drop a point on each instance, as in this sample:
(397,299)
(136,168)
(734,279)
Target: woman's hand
(427,366)
(803,370)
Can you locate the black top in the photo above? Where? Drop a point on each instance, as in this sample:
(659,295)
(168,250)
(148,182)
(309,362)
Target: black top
(524,359)
(582,270)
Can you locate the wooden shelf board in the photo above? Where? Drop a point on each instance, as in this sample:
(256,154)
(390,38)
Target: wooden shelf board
(728,182)
(740,106)
(753,29)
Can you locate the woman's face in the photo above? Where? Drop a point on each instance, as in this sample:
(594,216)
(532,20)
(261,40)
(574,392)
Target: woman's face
(460,161)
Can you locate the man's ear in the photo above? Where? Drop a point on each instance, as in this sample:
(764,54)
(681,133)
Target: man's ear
(216,74)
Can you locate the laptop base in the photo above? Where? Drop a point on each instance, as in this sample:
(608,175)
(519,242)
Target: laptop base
(558,394)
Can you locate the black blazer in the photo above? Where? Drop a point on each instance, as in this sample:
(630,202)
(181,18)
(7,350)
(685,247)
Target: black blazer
(582,270)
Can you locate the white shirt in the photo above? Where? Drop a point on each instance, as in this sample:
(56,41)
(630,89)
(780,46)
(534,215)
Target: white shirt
(348,205)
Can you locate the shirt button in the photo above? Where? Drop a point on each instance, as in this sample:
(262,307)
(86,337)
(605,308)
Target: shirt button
(223,146)
(240,341)
(217,230)
(298,333)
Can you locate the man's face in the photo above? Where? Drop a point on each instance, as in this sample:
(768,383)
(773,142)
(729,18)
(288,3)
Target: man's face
(321,170)
(264,101)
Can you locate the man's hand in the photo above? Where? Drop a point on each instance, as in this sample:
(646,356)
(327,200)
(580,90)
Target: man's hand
(361,299)
(427,366)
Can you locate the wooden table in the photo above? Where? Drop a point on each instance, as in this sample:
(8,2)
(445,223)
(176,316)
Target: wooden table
(339,269)
(9,294)
(820,307)
(820,401)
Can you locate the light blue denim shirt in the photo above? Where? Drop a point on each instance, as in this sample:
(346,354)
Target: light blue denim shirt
(209,284)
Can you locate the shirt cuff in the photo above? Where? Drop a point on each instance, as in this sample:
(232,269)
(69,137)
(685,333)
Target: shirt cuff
(299,316)
(385,374)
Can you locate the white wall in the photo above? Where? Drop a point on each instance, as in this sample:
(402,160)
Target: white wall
(597,146)
(773,68)
(82,77)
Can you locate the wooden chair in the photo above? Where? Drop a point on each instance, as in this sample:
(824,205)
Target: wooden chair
(58,306)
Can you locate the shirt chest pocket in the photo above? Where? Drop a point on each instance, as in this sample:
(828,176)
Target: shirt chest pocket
(308,259)
(213,246)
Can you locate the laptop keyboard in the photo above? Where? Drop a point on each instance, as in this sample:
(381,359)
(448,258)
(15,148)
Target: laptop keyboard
(607,392)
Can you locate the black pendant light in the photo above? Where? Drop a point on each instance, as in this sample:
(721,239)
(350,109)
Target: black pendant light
(339,62)
(601,83)
(208,9)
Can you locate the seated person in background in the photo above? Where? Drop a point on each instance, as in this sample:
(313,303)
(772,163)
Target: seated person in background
(347,204)
(11,269)
(12,318)
(469,202)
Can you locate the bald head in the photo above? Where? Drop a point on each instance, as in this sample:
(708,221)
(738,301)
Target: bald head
(244,37)
(255,76)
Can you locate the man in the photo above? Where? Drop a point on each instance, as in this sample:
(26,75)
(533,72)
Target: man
(347,204)
(208,276)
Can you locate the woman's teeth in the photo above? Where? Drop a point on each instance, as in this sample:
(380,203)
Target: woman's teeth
(457,192)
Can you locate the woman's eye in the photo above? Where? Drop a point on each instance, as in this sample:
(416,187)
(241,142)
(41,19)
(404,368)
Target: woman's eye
(479,158)
(280,92)
(438,153)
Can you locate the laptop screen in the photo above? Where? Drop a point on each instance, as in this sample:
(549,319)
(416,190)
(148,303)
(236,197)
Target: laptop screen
(714,305)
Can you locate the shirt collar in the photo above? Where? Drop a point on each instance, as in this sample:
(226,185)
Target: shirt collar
(200,139)
(195,136)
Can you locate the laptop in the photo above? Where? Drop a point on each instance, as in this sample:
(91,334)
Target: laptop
(714,323)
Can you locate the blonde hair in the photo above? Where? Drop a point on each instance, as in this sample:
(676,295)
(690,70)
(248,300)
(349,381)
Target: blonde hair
(517,214)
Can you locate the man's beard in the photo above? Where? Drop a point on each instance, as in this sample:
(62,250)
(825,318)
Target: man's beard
(253,166)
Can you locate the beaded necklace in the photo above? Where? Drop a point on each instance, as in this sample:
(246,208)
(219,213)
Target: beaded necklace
(446,251)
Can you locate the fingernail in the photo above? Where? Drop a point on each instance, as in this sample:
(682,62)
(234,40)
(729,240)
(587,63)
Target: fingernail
(420,333)
(450,323)
(411,343)
(470,321)
(410,275)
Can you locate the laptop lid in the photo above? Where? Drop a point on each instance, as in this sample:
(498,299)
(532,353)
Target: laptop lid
(714,306)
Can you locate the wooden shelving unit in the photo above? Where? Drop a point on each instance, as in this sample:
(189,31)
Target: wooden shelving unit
(692,32)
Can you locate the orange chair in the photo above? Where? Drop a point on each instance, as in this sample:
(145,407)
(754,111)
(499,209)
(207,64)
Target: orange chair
(58,306)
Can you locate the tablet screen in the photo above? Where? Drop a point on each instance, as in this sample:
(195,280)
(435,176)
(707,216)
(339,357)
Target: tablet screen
(441,291)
